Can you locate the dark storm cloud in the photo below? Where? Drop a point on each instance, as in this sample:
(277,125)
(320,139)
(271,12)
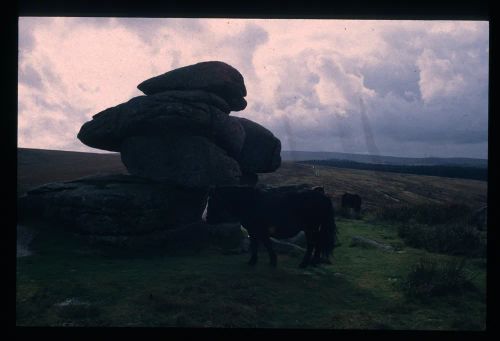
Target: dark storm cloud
(433,136)
(393,76)
(452,117)
(26,41)
(459,117)
(29,76)
(26,33)
(147,28)
(417,122)
(46,106)
(249,38)
(243,46)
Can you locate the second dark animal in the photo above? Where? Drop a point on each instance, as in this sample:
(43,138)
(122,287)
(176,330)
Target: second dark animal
(351,201)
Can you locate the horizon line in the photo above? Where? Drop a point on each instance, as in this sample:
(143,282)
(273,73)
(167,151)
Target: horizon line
(287,151)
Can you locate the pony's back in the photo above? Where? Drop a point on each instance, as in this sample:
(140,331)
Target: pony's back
(278,213)
(230,203)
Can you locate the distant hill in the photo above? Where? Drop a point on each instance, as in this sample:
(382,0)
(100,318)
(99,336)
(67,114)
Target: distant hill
(39,166)
(385,160)
(448,171)
(380,189)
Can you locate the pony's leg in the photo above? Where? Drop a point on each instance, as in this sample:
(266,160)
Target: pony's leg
(254,247)
(316,257)
(273,258)
(309,250)
(326,260)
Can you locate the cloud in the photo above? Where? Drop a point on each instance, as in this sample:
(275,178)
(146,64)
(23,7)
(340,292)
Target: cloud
(243,46)
(410,88)
(30,77)
(438,78)
(148,29)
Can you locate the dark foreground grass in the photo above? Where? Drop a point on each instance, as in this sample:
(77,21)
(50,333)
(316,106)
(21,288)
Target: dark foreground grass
(67,283)
(430,278)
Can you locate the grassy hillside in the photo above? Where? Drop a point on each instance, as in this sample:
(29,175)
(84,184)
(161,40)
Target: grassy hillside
(381,189)
(65,282)
(382,159)
(460,172)
(378,189)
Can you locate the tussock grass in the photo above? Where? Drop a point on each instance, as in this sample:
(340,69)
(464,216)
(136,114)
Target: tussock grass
(452,238)
(428,214)
(431,278)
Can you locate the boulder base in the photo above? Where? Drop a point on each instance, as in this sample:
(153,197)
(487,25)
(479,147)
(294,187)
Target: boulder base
(190,161)
(118,206)
(185,238)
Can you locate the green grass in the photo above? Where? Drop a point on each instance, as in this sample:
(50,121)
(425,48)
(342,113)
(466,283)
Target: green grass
(360,290)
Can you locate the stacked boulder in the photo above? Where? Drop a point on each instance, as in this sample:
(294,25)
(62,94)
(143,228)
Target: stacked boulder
(181,131)
(175,141)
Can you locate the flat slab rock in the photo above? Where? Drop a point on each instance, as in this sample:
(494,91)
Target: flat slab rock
(214,76)
(162,114)
(191,236)
(113,205)
(369,243)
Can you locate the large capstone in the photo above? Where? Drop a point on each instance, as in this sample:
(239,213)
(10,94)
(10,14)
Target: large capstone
(213,76)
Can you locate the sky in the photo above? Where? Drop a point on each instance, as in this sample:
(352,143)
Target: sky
(382,87)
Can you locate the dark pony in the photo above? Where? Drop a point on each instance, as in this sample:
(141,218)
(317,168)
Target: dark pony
(351,201)
(266,214)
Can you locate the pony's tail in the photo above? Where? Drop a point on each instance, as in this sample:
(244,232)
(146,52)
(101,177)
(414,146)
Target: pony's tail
(328,232)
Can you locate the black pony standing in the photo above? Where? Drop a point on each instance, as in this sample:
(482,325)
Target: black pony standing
(265,214)
(351,201)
